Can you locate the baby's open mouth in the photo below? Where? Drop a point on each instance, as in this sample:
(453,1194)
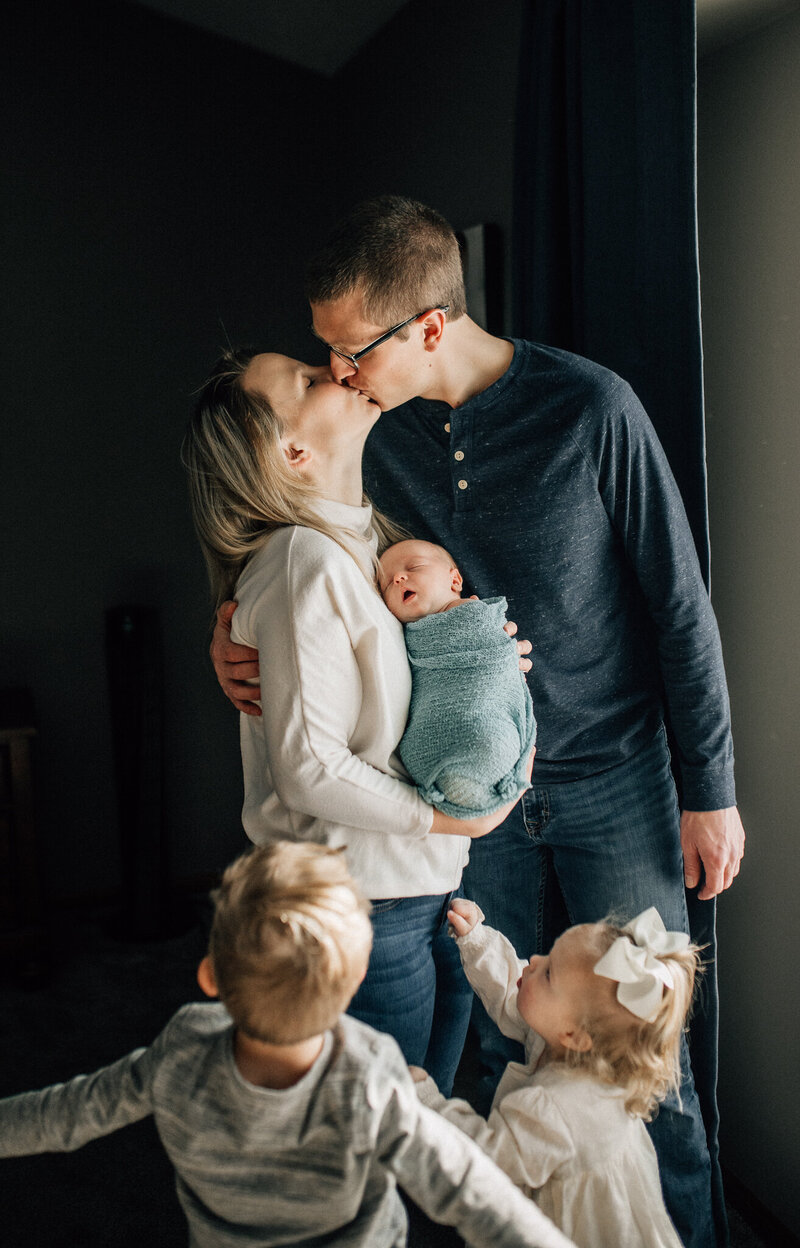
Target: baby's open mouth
(408,594)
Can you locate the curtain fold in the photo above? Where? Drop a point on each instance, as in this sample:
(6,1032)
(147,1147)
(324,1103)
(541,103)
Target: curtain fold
(605,232)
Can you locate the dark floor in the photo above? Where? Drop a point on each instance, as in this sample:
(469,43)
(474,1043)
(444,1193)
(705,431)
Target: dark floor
(104,997)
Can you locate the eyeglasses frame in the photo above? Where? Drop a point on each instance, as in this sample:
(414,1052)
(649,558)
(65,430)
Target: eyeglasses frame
(353,359)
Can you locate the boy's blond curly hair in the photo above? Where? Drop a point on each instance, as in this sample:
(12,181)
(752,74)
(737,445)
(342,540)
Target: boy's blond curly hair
(290,940)
(629,1052)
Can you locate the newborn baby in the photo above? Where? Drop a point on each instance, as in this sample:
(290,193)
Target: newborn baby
(471,727)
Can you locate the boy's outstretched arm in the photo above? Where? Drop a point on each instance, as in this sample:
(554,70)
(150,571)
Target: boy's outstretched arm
(455,1183)
(66,1116)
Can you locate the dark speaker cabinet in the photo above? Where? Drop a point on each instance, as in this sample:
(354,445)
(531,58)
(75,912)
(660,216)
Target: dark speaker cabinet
(22,943)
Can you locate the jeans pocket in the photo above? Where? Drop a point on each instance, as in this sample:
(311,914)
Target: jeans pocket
(384,904)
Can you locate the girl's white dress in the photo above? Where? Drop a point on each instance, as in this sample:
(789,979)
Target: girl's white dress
(562,1136)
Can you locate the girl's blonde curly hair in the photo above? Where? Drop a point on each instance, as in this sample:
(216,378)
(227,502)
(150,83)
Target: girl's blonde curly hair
(641,1057)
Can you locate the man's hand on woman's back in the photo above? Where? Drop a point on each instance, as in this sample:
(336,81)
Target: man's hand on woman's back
(234,665)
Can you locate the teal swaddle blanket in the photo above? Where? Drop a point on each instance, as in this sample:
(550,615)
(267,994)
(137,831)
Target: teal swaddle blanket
(471,726)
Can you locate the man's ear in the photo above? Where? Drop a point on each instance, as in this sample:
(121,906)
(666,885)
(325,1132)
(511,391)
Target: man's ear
(206,978)
(433,329)
(578,1040)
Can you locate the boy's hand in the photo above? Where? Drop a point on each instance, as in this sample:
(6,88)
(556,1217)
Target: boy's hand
(235,665)
(463,915)
(523,647)
(418,1074)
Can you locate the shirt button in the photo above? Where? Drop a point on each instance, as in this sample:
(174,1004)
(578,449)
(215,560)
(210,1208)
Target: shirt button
(459,455)
(447,427)
(462,485)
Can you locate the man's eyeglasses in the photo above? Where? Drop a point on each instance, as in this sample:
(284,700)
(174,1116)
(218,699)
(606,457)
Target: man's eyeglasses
(353,359)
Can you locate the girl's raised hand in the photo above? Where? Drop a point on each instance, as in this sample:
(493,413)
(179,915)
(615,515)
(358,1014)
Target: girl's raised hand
(463,915)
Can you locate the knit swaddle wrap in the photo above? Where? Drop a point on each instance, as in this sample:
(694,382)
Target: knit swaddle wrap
(471,726)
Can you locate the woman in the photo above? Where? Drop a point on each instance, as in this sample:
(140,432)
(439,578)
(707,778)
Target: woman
(274,457)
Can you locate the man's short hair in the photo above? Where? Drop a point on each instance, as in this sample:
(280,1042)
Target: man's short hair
(290,940)
(402,255)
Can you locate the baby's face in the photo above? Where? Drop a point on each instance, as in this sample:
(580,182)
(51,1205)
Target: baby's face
(418,578)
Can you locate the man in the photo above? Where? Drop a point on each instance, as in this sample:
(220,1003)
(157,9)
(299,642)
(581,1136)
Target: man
(540,472)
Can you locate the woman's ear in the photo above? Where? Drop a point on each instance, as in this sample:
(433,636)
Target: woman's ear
(297,457)
(206,978)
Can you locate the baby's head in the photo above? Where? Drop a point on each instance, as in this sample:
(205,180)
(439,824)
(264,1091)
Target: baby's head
(417,579)
(290,941)
(572,1000)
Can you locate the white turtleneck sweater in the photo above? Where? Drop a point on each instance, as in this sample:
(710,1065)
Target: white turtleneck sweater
(320,763)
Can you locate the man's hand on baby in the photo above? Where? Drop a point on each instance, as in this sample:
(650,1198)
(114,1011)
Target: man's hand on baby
(418,1074)
(463,915)
(523,647)
(234,665)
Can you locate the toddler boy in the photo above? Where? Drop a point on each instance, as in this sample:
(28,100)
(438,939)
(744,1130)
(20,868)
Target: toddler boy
(286,1122)
(471,728)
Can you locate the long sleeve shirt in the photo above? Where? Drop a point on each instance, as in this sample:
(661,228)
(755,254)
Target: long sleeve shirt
(561,1135)
(309,1166)
(320,763)
(551,487)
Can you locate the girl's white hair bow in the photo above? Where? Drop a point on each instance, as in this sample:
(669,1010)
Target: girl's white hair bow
(632,963)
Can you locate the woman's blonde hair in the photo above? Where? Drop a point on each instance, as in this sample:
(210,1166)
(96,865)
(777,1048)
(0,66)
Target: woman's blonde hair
(290,940)
(241,486)
(641,1057)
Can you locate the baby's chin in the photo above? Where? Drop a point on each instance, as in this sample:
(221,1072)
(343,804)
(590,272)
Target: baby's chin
(411,613)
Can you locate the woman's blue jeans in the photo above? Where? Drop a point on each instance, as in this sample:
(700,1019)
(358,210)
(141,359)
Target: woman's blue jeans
(415,988)
(574,853)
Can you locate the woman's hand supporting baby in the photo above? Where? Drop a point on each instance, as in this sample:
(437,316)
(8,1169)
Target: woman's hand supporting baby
(473,828)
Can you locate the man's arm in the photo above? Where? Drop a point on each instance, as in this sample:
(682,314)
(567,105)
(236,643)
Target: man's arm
(644,504)
(235,665)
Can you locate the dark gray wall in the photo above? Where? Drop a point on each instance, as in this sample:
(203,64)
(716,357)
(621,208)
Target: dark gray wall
(430,102)
(749,190)
(158,187)
(161,189)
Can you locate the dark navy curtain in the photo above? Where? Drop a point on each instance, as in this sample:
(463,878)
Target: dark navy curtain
(605,238)
(605,251)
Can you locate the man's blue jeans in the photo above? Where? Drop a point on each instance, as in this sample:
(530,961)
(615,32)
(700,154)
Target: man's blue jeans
(415,987)
(577,852)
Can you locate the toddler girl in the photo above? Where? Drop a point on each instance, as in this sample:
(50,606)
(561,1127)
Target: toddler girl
(601,1019)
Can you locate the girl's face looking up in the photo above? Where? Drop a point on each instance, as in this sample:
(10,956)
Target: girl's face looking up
(553,991)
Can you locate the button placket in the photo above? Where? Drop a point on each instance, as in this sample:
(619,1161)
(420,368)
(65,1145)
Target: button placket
(461,439)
